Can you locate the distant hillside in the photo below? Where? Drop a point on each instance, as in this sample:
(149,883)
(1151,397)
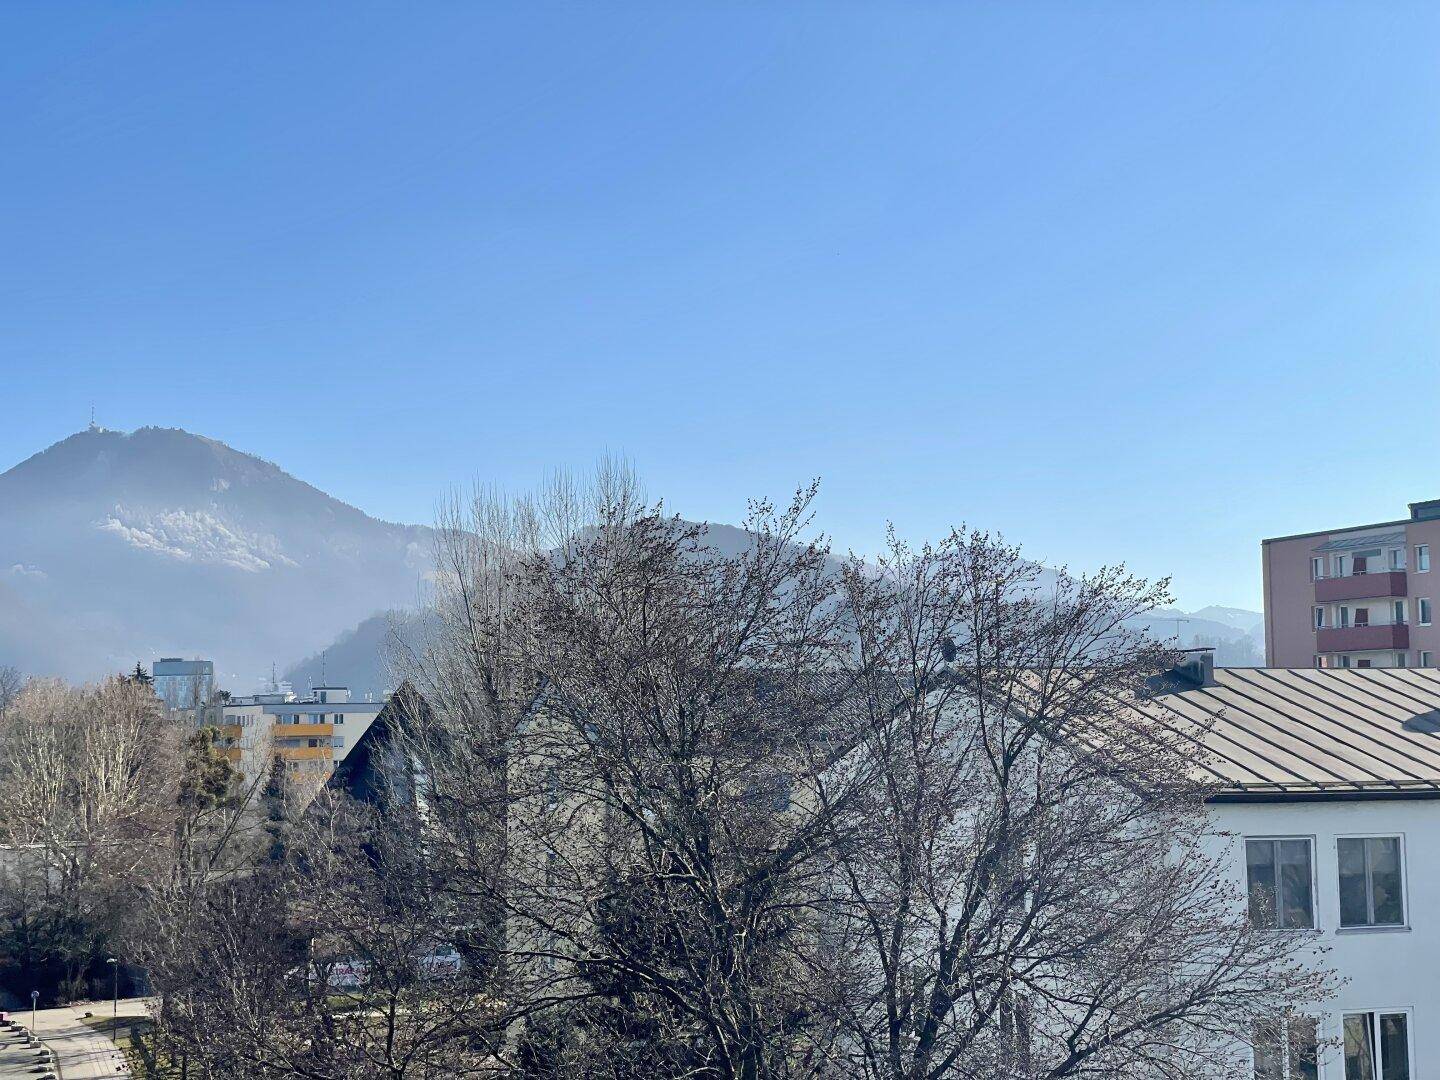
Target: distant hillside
(360,657)
(116,547)
(119,547)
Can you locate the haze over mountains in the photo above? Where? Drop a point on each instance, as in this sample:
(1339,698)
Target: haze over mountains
(119,547)
(116,547)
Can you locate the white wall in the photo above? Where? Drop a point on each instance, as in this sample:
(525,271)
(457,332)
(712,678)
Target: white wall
(1386,968)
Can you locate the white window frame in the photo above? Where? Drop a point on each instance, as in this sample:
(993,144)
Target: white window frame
(1319,618)
(1338,565)
(1425,658)
(1422,558)
(1367,928)
(1377,1012)
(1314,883)
(1317,567)
(1423,615)
(1397,558)
(1397,613)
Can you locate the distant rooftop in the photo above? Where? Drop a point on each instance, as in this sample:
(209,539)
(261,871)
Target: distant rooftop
(1425,510)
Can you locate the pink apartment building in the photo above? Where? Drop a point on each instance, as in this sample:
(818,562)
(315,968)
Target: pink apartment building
(1358,597)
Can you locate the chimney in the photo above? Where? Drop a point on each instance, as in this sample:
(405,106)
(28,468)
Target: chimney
(1196,667)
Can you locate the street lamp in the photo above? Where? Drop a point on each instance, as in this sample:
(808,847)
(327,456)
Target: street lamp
(115,1012)
(34,1009)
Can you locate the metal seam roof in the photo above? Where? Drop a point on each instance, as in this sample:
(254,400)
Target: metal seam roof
(1302,730)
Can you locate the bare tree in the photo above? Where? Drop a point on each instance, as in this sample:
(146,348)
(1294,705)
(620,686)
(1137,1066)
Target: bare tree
(333,964)
(678,811)
(11,682)
(90,777)
(1029,893)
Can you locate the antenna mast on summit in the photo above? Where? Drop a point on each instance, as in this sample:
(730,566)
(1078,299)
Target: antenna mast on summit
(92,417)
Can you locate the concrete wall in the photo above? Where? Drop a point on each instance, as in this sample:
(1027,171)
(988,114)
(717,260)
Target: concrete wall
(1388,969)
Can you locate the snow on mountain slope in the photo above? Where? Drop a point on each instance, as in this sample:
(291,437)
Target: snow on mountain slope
(125,546)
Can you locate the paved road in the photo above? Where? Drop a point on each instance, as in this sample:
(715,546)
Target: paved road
(82,1052)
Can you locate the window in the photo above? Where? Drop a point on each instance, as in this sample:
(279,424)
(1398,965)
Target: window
(1362,663)
(1362,564)
(1319,660)
(1424,658)
(338,742)
(1278,876)
(1399,659)
(1287,1050)
(1317,568)
(1371,886)
(1377,1046)
(1362,616)
(1345,661)
(1397,614)
(1422,611)
(1344,617)
(312,742)
(1422,558)
(339,718)
(1319,618)
(1397,558)
(1338,563)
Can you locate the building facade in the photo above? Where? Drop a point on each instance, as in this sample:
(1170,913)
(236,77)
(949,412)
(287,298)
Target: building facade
(1362,596)
(183,684)
(309,735)
(1327,821)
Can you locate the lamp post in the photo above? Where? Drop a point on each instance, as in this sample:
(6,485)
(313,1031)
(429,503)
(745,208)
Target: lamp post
(34,1008)
(115,1010)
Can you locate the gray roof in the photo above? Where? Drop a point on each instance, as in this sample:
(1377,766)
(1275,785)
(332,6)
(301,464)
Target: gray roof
(1354,543)
(1310,731)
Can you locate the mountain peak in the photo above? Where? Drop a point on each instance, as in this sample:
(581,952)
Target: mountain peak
(163,541)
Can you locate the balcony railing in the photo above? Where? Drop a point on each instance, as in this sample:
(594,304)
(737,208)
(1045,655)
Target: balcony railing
(1360,586)
(1361,638)
(303,731)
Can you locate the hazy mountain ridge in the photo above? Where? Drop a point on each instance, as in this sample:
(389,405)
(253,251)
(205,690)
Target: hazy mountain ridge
(116,547)
(119,547)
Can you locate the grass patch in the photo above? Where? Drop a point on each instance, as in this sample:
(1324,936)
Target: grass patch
(133,1038)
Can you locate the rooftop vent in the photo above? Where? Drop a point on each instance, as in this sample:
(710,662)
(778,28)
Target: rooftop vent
(1195,669)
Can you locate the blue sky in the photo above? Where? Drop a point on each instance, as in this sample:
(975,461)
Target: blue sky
(1139,282)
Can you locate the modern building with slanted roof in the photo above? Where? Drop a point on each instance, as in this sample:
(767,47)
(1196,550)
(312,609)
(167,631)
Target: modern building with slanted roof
(1327,808)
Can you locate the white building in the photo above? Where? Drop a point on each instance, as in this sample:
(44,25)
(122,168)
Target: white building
(1330,796)
(310,735)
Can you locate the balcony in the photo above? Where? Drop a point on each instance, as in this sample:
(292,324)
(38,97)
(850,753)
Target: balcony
(1362,638)
(304,731)
(1360,586)
(305,753)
